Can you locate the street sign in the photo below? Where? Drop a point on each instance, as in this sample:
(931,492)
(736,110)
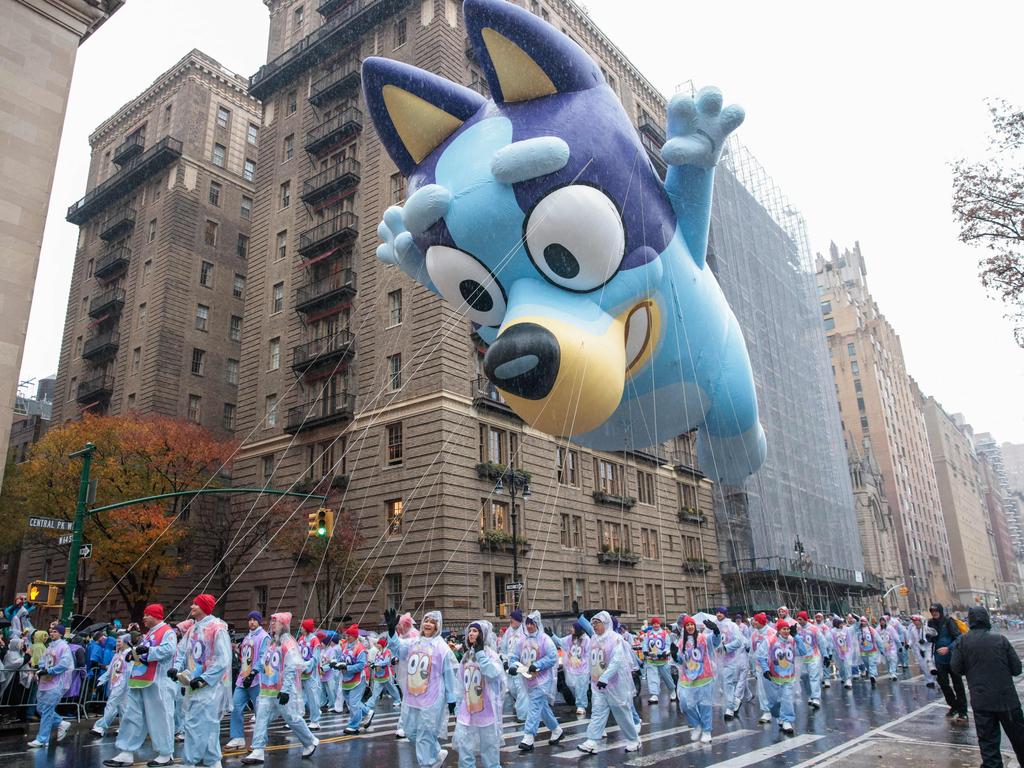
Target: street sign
(51,523)
(515,586)
(85,550)
(65,539)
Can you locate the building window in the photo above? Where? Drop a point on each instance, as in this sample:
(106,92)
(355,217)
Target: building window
(393,509)
(572,591)
(860,404)
(223,117)
(142,315)
(72,389)
(228,419)
(286,194)
(830,323)
(851,350)
(238,286)
(206,274)
(215,193)
(202,317)
(210,233)
(268,468)
(242,248)
(571,531)
(193,407)
(231,372)
(617,596)
(486,603)
(168,109)
(613,537)
(864,423)
(854,368)
(151,236)
(289,147)
(826,307)
(498,446)
(246,211)
(397,188)
(253,134)
(235,328)
(857,386)
(277,298)
(400,33)
(687,496)
(395,308)
(131,403)
(645,487)
(282,244)
(271,410)
(88,269)
(649,543)
(198,361)
(394,372)
(393,591)
(655,599)
(292,103)
(393,434)
(567,461)
(78,346)
(274,353)
(136,359)
(607,477)
(218,155)
(147,267)
(249,170)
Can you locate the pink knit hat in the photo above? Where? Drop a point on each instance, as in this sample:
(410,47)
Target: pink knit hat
(282,618)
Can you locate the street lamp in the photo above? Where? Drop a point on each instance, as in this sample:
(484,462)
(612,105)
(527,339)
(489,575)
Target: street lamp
(802,562)
(515,484)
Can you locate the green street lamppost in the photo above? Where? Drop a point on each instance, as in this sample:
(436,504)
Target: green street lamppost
(515,484)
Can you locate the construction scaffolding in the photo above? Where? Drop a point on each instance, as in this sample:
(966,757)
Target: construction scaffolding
(799,506)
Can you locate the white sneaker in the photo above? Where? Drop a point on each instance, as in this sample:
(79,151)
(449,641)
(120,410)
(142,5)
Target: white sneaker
(787,728)
(368,719)
(705,737)
(253,758)
(556,736)
(604,734)
(399,733)
(526,745)
(62,730)
(588,746)
(96,730)
(235,743)
(765,718)
(36,744)
(308,751)
(633,746)
(673,697)
(728,714)
(314,726)
(180,737)
(826,684)
(848,684)
(695,734)
(580,712)
(894,678)
(440,758)
(652,700)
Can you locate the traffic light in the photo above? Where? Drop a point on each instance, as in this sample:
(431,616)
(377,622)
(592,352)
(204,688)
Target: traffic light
(33,592)
(321,523)
(904,591)
(46,594)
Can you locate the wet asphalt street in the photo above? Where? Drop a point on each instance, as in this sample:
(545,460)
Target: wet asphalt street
(895,722)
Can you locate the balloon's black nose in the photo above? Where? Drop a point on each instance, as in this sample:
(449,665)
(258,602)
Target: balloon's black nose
(523,361)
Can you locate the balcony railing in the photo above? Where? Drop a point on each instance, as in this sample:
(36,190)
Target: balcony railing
(486,395)
(97,388)
(334,180)
(346,22)
(325,351)
(326,410)
(341,229)
(344,79)
(112,262)
(137,170)
(129,148)
(120,221)
(101,345)
(110,301)
(333,130)
(323,293)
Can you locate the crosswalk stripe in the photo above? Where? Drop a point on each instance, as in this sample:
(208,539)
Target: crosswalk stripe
(669,754)
(575,754)
(757,755)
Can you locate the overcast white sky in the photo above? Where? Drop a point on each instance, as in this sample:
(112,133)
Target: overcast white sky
(856,111)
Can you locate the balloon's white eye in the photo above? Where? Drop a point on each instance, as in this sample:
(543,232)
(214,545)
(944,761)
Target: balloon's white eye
(466,284)
(575,238)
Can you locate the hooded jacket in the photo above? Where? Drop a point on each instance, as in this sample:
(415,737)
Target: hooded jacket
(946,633)
(989,662)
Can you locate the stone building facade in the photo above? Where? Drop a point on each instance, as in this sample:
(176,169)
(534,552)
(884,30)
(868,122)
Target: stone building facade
(875,526)
(878,407)
(40,40)
(360,384)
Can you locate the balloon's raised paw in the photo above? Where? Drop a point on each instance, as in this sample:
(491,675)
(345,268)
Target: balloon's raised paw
(698,128)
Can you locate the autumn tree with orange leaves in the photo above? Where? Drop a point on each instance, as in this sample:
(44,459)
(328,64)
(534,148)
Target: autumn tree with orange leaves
(134,547)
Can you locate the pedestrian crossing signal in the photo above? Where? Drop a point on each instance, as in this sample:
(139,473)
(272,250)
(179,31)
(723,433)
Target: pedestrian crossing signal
(904,591)
(321,523)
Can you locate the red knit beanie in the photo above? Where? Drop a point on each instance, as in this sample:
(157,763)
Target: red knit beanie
(155,610)
(307,625)
(205,602)
(353,630)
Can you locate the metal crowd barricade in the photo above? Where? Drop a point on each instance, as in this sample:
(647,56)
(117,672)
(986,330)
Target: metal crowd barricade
(84,698)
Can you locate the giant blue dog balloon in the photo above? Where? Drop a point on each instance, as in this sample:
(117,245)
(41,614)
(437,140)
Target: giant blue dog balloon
(539,216)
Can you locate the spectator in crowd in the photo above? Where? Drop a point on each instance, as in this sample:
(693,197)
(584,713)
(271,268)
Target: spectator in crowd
(990,663)
(952,685)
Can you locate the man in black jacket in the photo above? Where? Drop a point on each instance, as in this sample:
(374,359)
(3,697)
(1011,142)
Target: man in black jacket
(952,685)
(990,663)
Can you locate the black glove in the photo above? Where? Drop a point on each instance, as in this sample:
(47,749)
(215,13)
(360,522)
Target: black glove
(196,683)
(601,685)
(282,698)
(575,608)
(341,666)
(41,672)
(711,625)
(247,682)
(766,675)
(935,672)
(549,632)
(451,707)
(513,670)
(533,669)
(921,642)
(391,620)
(827,661)
(172,673)
(142,653)
(673,650)
(394,660)
(906,646)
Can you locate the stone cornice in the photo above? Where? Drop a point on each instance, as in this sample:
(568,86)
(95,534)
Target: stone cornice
(196,60)
(80,17)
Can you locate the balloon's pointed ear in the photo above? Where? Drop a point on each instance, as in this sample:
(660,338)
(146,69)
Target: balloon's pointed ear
(414,111)
(524,57)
